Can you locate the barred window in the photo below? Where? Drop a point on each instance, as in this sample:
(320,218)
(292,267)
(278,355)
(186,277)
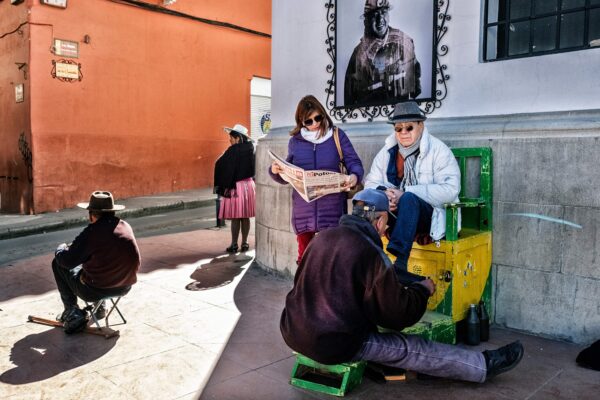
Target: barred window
(525,28)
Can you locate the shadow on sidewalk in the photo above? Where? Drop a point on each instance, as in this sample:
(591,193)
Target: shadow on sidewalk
(43,355)
(220,271)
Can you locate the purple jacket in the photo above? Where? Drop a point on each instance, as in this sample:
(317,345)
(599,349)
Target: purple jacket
(324,212)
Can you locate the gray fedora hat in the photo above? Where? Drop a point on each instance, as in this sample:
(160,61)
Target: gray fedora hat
(101,201)
(408,111)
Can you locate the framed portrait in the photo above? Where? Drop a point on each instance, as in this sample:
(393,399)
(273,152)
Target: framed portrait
(385,52)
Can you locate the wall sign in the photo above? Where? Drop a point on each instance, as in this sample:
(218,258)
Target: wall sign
(55,3)
(69,71)
(19,93)
(66,48)
(66,70)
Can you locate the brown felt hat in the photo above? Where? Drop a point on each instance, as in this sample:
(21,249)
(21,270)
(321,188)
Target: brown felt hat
(101,201)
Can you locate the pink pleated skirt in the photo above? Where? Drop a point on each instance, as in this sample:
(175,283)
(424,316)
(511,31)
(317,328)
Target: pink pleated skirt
(242,202)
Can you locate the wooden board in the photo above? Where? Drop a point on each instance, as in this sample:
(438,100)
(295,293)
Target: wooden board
(106,332)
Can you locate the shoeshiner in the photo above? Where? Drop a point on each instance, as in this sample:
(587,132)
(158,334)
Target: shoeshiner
(345,287)
(102,261)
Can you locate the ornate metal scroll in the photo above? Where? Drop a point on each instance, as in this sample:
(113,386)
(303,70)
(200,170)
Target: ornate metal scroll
(370,112)
(441,89)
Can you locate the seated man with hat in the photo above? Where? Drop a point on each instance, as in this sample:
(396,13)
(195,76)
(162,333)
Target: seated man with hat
(345,288)
(419,174)
(102,261)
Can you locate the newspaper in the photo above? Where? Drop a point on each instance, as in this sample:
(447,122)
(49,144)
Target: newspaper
(311,184)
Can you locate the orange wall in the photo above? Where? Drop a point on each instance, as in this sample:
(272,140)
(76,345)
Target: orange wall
(15,187)
(147,116)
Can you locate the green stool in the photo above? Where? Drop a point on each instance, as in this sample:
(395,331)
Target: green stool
(330,379)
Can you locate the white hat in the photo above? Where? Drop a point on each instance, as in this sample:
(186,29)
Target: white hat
(241,129)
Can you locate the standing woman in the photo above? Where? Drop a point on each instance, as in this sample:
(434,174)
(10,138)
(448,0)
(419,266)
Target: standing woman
(234,182)
(312,146)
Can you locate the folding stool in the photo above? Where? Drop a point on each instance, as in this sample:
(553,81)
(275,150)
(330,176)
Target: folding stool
(93,307)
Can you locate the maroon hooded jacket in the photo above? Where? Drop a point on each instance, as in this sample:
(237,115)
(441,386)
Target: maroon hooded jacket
(344,288)
(108,252)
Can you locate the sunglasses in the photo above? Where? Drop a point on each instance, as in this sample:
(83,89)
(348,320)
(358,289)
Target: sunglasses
(404,128)
(316,120)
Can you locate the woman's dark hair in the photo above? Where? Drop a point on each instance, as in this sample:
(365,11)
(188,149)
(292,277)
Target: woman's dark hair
(237,135)
(306,106)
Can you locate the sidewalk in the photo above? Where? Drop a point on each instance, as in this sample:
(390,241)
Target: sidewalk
(12,225)
(180,315)
(205,324)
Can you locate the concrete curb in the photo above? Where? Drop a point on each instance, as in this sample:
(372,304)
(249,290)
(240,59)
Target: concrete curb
(50,226)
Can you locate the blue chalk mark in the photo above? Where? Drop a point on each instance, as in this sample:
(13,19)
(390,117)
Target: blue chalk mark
(549,219)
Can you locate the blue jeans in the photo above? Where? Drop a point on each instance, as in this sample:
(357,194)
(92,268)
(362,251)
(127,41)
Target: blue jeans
(416,354)
(413,215)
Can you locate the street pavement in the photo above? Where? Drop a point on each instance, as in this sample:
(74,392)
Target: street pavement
(205,324)
(14,225)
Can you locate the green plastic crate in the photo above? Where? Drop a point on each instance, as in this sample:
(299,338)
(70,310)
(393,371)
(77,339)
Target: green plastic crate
(337,379)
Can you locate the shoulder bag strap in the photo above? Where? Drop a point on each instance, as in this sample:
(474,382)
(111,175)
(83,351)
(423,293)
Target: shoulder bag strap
(336,137)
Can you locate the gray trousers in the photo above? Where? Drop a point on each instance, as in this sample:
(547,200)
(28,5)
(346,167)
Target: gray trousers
(425,356)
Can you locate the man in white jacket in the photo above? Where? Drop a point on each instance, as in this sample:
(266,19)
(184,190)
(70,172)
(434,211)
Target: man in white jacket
(419,174)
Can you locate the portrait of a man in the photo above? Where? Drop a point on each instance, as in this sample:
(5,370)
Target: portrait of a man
(384,66)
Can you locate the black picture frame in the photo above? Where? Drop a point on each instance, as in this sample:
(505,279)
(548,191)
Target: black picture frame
(345,16)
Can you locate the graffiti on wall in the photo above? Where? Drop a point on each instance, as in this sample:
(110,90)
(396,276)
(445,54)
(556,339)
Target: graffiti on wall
(26,155)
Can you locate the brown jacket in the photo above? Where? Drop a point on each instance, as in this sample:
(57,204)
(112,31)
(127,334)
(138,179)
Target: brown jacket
(108,252)
(344,288)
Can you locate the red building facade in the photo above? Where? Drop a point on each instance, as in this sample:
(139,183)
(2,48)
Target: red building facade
(131,98)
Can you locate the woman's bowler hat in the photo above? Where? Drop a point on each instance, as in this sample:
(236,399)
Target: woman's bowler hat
(238,128)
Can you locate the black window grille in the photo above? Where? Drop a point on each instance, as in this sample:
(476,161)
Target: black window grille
(525,28)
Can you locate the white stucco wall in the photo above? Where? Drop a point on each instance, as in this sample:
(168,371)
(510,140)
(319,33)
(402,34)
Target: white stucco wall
(546,274)
(556,82)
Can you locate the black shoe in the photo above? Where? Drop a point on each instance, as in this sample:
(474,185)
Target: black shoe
(232,249)
(503,359)
(62,317)
(75,321)
(245,246)
(100,312)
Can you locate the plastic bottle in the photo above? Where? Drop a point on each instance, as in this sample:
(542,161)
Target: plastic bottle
(484,322)
(473,326)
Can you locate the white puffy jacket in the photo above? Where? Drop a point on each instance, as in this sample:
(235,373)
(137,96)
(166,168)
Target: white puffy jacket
(437,174)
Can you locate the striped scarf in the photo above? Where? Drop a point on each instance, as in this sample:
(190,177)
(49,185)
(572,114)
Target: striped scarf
(410,160)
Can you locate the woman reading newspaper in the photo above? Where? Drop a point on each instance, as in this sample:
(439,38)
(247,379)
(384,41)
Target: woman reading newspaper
(312,147)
